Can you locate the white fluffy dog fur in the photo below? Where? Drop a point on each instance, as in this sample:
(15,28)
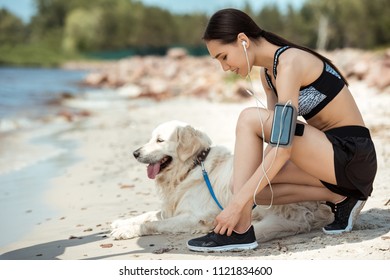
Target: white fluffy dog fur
(187,206)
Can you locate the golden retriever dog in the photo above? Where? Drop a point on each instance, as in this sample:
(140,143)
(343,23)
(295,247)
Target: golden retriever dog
(173,155)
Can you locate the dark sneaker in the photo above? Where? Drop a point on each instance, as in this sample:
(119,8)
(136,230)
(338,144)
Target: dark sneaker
(216,242)
(345,214)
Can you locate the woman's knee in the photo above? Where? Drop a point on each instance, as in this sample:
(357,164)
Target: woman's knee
(245,116)
(249,119)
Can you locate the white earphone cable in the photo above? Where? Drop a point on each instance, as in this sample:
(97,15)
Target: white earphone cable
(251,92)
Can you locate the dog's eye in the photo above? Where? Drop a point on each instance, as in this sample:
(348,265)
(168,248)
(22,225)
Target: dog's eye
(159,140)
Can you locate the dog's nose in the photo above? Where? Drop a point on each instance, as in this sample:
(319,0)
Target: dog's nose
(136,153)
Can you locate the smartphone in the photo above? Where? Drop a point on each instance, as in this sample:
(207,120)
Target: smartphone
(283,125)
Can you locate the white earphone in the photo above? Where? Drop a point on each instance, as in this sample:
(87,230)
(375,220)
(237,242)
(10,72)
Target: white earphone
(244,44)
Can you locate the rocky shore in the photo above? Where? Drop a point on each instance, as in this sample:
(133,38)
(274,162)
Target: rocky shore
(180,74)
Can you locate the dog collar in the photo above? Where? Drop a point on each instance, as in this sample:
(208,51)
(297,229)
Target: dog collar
(201,157)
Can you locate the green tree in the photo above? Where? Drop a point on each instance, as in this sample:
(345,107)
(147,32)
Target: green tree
(378,21)
(49,21)
(300,26)
(271,19)
(12,29)
(155,28)
(189,29)
(82,30)
(354,23)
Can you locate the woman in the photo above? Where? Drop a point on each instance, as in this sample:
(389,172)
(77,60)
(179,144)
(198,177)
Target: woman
(333,159)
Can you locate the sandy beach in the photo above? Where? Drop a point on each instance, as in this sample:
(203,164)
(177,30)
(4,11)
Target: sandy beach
(100,181)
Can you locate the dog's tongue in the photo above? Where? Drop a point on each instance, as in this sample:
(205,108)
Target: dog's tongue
(153,170)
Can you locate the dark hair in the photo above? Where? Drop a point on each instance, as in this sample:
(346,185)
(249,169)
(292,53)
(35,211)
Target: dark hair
(226,24)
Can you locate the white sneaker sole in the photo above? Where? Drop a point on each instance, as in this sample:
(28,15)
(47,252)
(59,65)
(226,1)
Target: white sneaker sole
(351,220)
(226,248)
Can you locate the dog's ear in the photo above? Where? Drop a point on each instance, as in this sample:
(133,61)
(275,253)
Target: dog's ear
(191,141)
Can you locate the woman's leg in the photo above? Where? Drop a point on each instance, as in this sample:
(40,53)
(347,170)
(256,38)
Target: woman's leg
(312,154)
(293,185)
(248,154)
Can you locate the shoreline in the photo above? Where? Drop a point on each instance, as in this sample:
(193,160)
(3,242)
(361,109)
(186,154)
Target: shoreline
(107,183)
(25,181)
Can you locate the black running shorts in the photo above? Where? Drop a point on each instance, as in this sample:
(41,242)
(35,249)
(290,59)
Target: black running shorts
(354,161)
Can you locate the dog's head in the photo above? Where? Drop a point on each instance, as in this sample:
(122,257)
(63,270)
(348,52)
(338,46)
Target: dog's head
(172,148)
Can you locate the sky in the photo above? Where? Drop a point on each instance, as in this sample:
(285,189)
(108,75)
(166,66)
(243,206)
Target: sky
(25,8)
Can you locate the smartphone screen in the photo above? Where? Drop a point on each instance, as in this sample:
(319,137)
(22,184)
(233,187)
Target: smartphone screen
(283,125)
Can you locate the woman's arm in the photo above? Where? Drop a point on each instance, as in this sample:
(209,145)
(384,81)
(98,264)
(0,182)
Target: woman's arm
(271,96)
(290,76)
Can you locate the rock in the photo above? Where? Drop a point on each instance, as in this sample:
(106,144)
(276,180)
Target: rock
(361,69)
(177,53)
(96,79)
(379,76)
(130,91)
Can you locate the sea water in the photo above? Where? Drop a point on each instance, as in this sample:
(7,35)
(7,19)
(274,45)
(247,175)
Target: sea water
(28,163)
(28,92)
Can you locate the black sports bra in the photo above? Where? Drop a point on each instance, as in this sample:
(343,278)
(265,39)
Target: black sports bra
(314,97)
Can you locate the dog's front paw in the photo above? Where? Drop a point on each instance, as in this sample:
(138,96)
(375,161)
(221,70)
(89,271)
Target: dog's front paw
(125,232)
(121,223)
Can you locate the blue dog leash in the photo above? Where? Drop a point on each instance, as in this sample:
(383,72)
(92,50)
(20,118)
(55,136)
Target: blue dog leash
(207,180)
(200,161)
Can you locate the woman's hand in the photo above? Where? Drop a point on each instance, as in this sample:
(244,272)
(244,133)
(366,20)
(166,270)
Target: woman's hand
(228,219)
